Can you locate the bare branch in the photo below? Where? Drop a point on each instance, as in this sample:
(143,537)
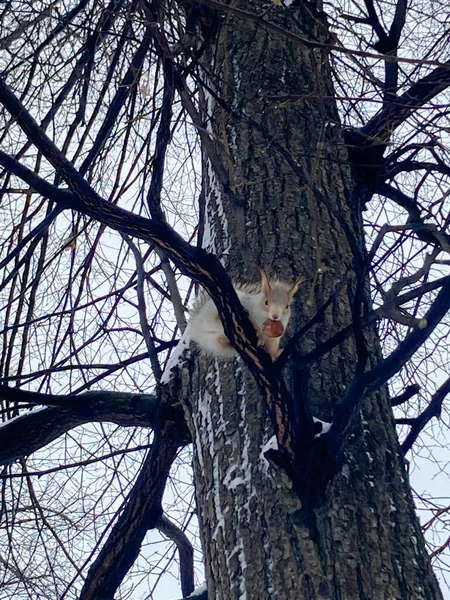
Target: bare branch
(375,23)
(154,193)
(342,335)
(123,91)
(409,392)
(393,363)
(433,409)
(174,292)
(379,129)
(142,310)
(426,232)
(141,513)
(6,41)
(185,551)
(370,381)
(41,228)
(408,166)
(390,308)
(203,267)
(74,465)
(390,47)
(25,434)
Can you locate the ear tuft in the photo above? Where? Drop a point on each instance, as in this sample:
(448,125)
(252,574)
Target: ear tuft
(265,285)
(294,288)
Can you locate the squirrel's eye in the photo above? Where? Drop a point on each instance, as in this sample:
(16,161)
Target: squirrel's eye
(287,305)
(266,303)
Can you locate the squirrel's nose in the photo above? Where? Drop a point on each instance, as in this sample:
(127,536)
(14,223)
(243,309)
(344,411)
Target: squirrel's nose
(274,317)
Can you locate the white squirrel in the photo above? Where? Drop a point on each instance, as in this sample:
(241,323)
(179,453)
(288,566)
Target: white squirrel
(268,307)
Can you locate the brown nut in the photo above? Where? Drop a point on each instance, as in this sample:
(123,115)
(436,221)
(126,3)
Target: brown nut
(273,329)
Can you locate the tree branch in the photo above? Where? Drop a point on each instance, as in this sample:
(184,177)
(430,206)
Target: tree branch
(382,372)
(408,166)
(74,465)
(333,442)
(342,335)
(154,193)
(427,232)
(366,145)
(185,551)
(191,260)
(35,232)
(390,46)
(22,26)
(379,129)
(409,392)
(141,513)
(142,310)
(124,89)
(433,409)
(374,22)
(27,433)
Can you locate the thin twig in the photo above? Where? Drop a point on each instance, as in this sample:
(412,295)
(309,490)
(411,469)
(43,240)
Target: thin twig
(142,310)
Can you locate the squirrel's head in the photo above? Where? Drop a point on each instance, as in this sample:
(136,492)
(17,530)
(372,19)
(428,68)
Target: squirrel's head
(277,296)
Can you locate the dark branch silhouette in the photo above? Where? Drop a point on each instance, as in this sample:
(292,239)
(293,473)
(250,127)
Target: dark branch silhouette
(185,551)
(409,392)
(142,512)
(418,423)
(28,432)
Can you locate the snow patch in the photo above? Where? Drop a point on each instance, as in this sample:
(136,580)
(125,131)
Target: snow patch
(271,444)
(325,426)
(370,457)
(220,518)
(346,471)
(214,209)
(198,591)
(176,359)
(33,411)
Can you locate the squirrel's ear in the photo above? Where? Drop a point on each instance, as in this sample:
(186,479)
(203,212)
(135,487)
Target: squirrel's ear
(265,285)
(294,288)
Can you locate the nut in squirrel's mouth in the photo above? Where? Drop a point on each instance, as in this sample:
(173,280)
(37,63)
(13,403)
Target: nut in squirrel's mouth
(272,328)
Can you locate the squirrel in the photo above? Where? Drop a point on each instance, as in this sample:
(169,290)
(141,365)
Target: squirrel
(268,307)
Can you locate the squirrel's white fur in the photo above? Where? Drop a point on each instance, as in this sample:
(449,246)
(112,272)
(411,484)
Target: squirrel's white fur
(268,300)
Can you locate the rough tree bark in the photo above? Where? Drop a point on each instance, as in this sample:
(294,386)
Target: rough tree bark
(299,213)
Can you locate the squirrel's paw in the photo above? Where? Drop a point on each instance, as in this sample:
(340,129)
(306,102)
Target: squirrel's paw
(260,338)
(224,342)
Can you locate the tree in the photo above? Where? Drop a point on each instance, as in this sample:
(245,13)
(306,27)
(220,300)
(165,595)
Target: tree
(102,109)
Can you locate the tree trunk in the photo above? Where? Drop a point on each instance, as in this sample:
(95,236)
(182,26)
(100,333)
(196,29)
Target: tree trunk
(288,165)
